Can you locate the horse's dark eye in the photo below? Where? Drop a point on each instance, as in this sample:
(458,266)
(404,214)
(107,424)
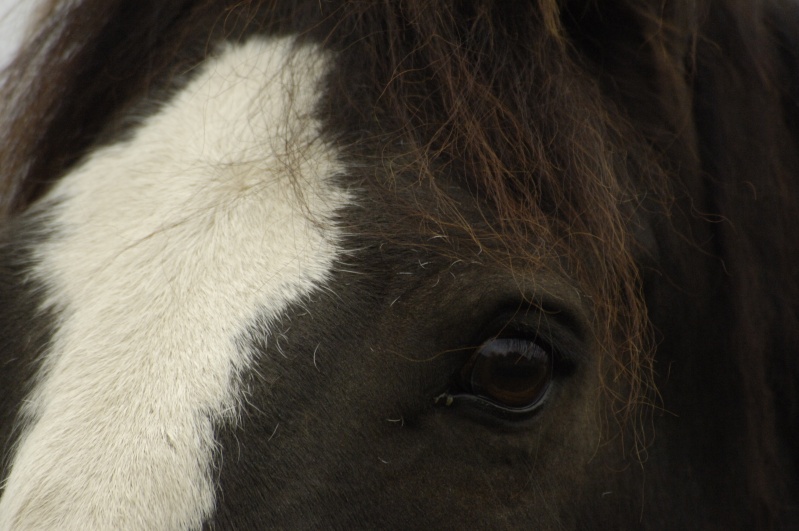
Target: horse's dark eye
(513,374)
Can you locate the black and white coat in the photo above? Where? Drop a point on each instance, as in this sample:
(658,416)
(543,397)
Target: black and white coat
(218,316)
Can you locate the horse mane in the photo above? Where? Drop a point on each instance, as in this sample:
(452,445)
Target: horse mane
(610,115)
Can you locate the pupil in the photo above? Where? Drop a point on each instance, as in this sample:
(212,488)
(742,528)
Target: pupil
(512,372)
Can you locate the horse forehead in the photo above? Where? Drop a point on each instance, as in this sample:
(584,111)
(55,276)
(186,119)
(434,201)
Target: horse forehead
(216,213)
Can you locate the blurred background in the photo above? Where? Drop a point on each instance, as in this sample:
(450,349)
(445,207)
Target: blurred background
(14,16)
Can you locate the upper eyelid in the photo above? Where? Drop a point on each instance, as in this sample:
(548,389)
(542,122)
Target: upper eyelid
(560,335)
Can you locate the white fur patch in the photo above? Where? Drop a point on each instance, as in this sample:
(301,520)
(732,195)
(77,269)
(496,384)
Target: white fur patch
(167,246)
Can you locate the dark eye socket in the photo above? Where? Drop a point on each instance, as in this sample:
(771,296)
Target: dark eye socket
(512,375)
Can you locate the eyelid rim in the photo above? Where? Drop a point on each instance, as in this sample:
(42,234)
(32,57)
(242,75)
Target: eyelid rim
(554,327)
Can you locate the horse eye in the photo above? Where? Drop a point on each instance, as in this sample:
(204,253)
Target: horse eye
(513,374)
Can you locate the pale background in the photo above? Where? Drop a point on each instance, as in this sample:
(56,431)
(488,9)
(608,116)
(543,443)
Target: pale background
(13,18)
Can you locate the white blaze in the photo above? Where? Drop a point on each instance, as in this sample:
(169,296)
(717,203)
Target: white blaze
(166,247)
